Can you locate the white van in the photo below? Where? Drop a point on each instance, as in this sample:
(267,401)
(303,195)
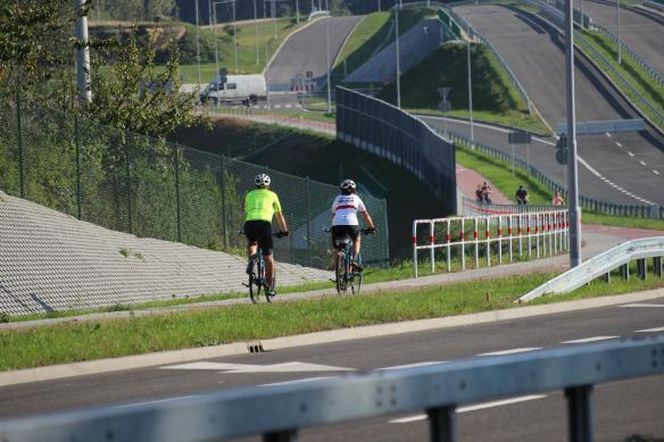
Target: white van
(240,88)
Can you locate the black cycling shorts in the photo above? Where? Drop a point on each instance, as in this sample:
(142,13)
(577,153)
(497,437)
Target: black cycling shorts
(260,232)
(342,232)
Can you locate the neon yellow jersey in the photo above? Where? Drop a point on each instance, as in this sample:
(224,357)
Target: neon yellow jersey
(261,205)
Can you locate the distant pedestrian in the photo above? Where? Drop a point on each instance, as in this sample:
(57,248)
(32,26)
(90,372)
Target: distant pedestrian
(557,199)
(478,194)
(486,193)
(522,196)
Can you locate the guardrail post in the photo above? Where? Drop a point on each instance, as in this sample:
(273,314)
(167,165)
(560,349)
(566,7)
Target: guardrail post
(432,251)
(579,413)
(442,424)
(448,239)
(281,436)
(463,244)
(500,239)
(510,233)
(624,271)
(642,268)
(487,235)
(477,242)
(414,240)
(657,266)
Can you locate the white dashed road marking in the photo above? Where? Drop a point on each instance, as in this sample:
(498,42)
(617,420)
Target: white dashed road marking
(618,144)
(639,304)
(482,406)
(286,367)
(643,163)
(656,172)
(630,154)
(417,364)
(510,352)
(593,339)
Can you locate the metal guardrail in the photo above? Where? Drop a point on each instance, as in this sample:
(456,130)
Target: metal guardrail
(278,412)
(511,234)
(652,72)
(642,211)
(601,265)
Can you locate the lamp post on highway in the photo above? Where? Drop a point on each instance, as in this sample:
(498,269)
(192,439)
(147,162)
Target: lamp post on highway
(256,23)
(396,31)
(216,51)
(573,175)
(329,85)
(470,84)
(234,27)
(198,47)
(619,40)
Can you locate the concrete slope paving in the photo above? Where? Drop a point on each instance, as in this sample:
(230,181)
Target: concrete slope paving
(628,162)
(51,261)
(639,30)
(416,44)
(306,50)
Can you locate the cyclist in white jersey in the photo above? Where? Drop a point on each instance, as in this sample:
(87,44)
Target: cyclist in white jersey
(345,222)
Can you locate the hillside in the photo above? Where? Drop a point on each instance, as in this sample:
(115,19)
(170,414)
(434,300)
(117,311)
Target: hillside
(328,160)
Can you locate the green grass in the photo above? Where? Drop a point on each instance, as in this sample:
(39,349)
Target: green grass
(494,97)
(367,37)
(645,86)
(75,342)
(500,173)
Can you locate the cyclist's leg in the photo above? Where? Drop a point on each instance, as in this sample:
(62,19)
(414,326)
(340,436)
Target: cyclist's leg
(357,245)
(252,242)
(267,244)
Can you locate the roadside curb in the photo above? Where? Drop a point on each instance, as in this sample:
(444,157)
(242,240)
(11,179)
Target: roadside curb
(372,331)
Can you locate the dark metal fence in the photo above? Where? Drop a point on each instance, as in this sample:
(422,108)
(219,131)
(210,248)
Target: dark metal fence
(152,188)
(389,132)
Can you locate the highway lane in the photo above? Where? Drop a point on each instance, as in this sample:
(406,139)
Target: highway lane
(540,153)
(622,408)
(534,49)
(639,30)
(305,50)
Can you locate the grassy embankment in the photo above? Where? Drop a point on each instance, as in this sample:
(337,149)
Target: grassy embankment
(495,99)
(646,87)
(75,342)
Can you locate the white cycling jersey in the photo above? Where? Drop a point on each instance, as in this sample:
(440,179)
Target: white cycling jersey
(345,209)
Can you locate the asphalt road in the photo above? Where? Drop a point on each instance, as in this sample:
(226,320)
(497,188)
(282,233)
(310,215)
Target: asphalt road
(622,408)
(630,163)
(640,30)
(540,153)
(306,50)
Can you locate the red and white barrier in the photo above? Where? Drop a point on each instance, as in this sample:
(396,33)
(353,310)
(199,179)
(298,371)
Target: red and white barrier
(539,233)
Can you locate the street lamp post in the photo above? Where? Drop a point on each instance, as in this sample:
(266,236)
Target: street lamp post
(198,47)
(573,175)
(396,31)
(274,17)
(619,40)
(329,85)
(297,11)
(470,85)
(256,23)
(216,51)
(234,30)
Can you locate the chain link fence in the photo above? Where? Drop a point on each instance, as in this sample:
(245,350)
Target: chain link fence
(153,188)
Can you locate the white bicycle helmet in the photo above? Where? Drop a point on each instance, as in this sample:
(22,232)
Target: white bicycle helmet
(262,180)
(348,185)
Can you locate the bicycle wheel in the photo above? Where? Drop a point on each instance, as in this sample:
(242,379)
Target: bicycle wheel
(340,273)
(254,279)
(356,278)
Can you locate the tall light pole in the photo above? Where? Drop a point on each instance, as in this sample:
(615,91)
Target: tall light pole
(619,40)
(216,51)
(198,47)
(297,11)
(234,28)
(256,23)
(274,17)
(329,85)
(396,30)
(573,175)
(470,85)
(82,53)
(379,6)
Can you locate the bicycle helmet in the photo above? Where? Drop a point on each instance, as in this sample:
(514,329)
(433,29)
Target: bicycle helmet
(262,180)
(348,185)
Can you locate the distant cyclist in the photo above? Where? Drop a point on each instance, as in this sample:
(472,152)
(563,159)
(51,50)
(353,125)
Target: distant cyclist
(260,205)
(345,224)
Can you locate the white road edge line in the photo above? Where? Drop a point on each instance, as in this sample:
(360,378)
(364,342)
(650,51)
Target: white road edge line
(593,339)
(510,352)
(420,417)
(641,304)
(651,330)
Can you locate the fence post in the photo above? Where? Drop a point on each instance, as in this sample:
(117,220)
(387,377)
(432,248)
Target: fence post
(128,177)
(78,168)
(308,222)
(21,172)
(176,167)
(224,218)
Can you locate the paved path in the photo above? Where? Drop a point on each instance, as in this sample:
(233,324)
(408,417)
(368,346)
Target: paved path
(468,180)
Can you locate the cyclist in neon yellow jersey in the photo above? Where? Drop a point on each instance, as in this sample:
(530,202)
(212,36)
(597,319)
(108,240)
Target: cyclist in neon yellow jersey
(260,206)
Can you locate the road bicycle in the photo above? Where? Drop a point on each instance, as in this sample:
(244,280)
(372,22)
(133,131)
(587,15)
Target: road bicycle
(346,274)
(256,274)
